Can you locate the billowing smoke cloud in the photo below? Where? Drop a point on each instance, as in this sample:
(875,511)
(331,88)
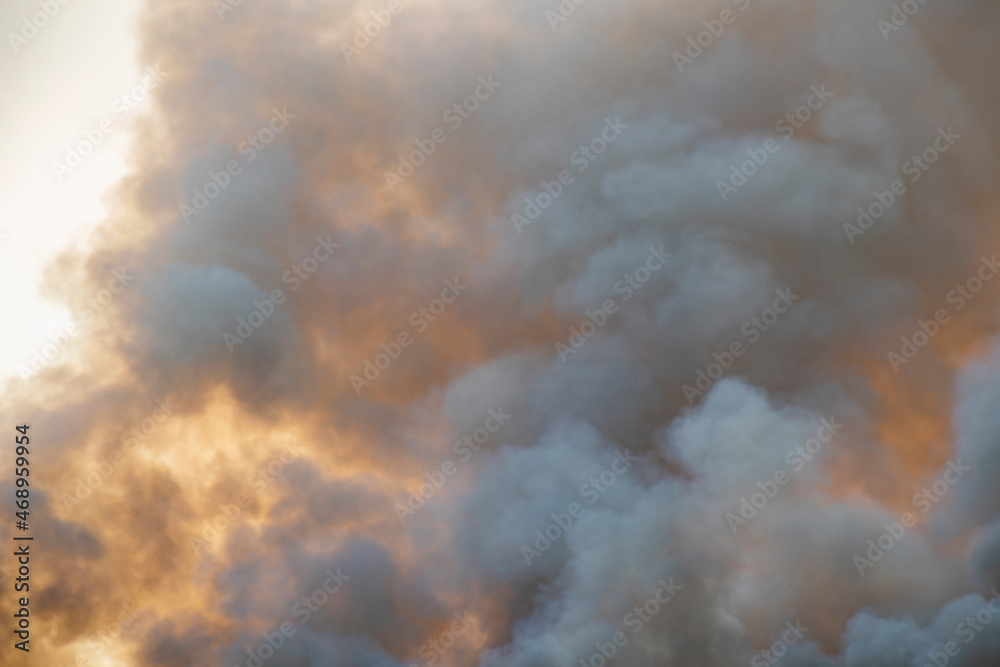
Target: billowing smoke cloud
(522,334)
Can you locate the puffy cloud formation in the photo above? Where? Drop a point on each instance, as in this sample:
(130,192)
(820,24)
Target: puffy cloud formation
(537,335)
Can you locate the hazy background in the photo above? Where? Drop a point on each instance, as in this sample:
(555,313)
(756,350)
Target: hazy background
(205,460)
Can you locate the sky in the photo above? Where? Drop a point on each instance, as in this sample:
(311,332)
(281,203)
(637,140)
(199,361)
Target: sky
(511,334)
(66,77)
